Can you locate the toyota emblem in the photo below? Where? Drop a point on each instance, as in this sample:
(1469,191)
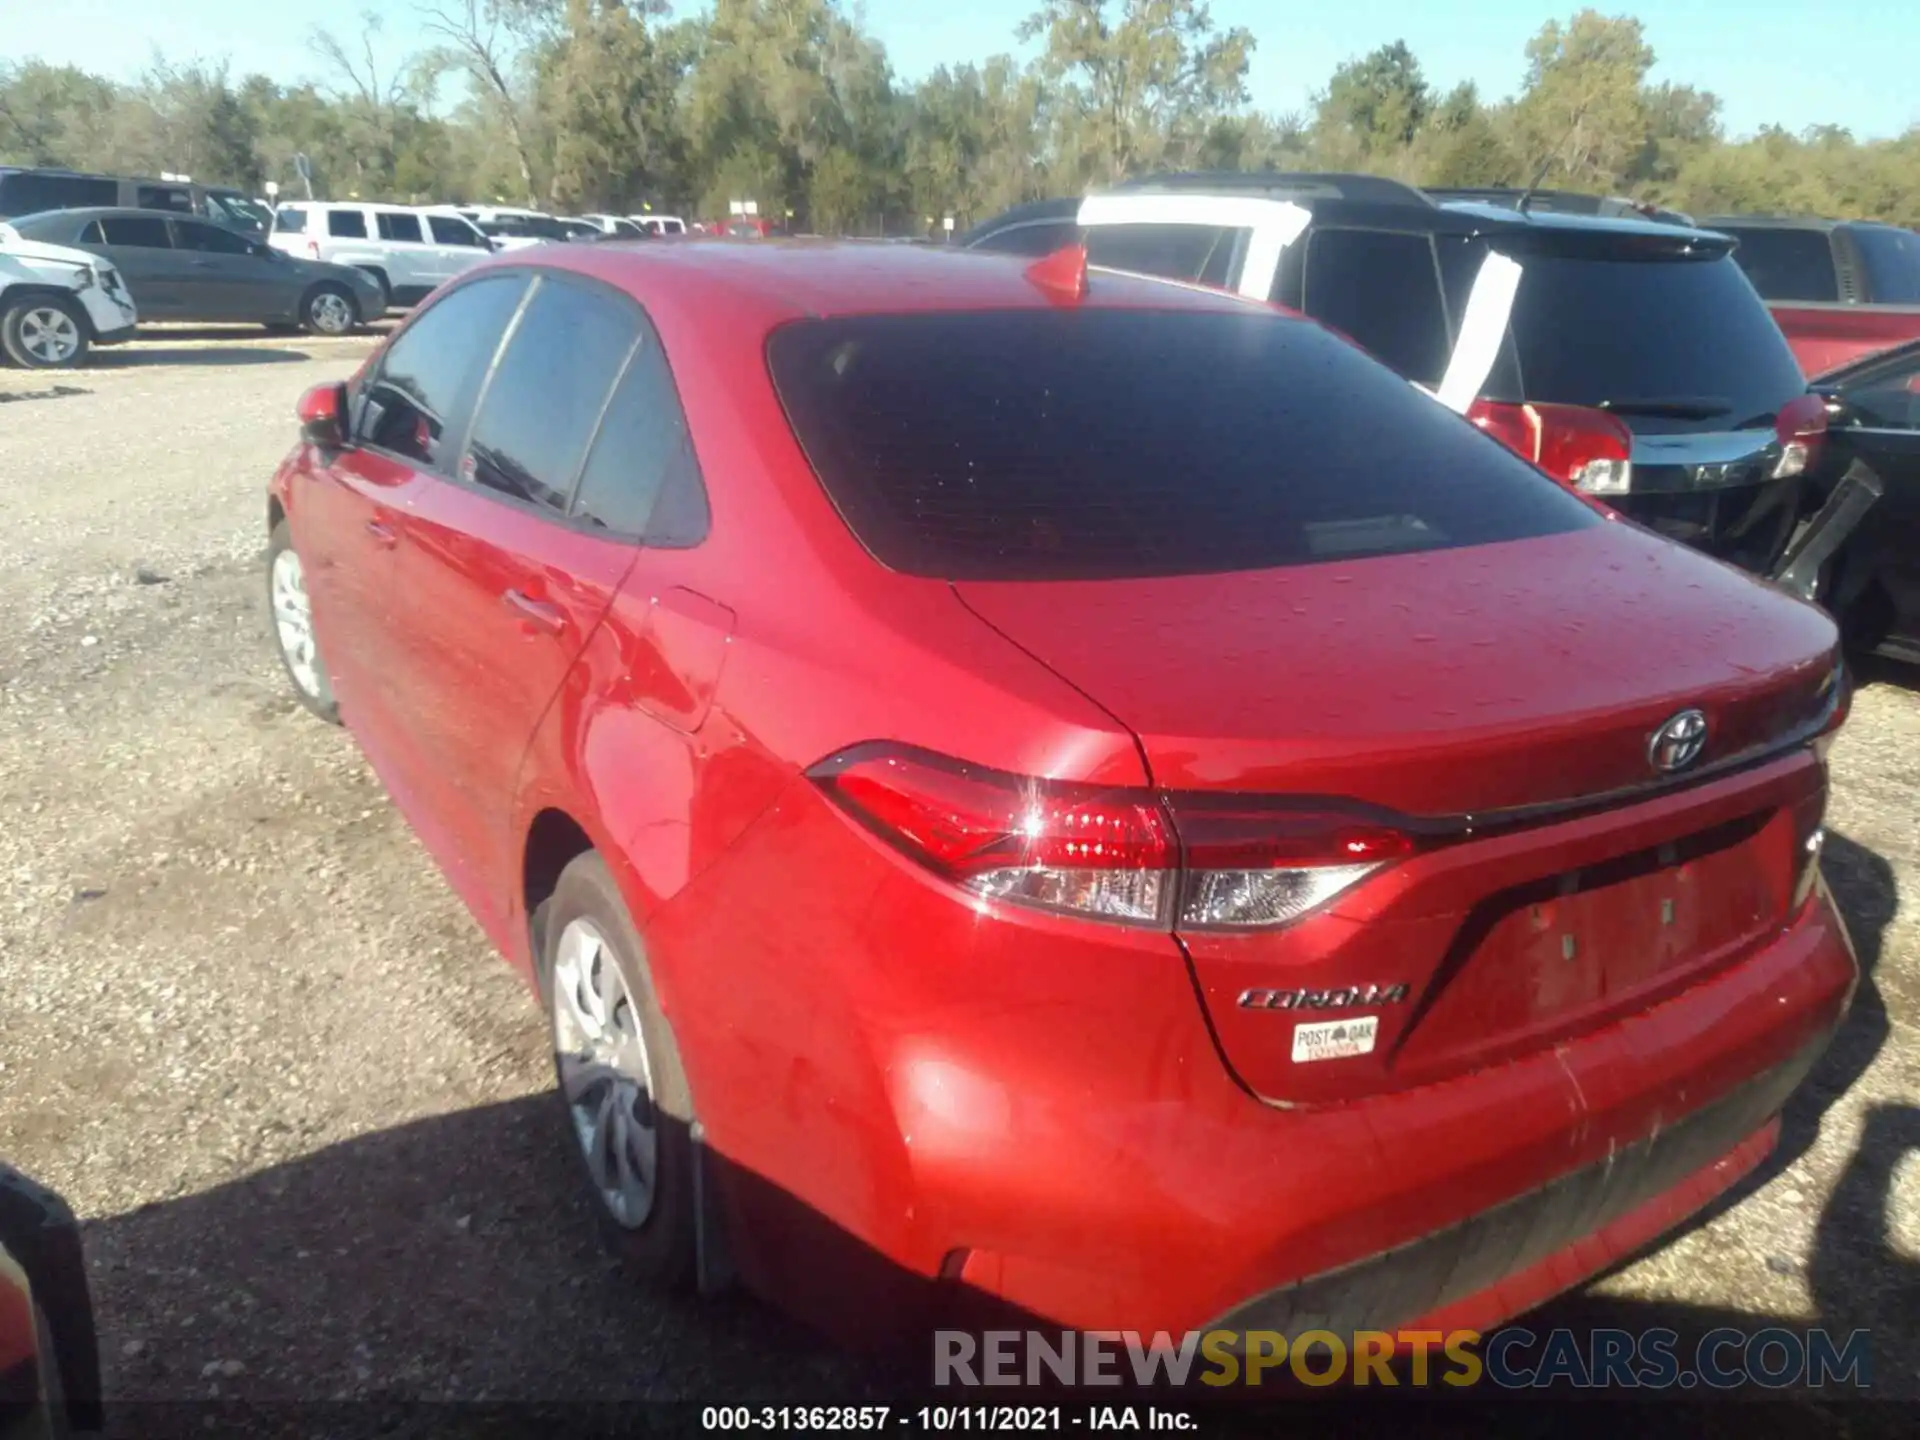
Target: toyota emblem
(1678,742)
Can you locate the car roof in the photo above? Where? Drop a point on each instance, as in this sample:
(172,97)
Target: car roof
(793,279)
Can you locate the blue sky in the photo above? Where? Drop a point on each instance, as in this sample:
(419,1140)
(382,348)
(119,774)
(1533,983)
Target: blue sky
(1770,61)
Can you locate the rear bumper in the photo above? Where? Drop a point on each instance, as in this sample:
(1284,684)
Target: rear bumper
(1458,1204)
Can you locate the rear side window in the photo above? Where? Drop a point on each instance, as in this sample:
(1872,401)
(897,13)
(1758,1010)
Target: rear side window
(1083,444)
(398,225)
(1382,291)
(548,390)
(25,193)
(1672,344)
(1893,263)
(1175,252)
(291,222)
(1788,264)
(643,447)
(349,224)
(1042,238)
(140,232)
(416,405)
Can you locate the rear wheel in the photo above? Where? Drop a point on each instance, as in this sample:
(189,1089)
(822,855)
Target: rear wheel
(43,332)
(622,1092)
(293,627)
(329,310)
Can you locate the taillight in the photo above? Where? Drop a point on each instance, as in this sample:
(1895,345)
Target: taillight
(1577,445)
(1123,854)
(313,249)
(1801,427)
(1809,815)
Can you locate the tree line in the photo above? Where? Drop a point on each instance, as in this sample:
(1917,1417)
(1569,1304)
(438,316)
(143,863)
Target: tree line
(612,105)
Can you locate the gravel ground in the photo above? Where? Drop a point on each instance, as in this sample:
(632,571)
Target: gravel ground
(249,1033)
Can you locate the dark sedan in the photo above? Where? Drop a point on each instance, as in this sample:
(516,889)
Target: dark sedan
(181,268)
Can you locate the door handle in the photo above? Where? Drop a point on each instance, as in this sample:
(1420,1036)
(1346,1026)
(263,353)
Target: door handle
(382,535)
(550,618)
(201,264)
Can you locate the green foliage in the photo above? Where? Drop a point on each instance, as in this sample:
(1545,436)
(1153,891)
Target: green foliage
(614,104)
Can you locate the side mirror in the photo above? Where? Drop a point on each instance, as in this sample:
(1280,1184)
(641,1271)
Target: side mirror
(322,412)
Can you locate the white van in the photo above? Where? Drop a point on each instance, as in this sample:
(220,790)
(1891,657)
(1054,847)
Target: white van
(409,249)
(660,224)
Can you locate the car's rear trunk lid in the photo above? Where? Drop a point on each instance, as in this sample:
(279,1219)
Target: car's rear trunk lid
(1504,699)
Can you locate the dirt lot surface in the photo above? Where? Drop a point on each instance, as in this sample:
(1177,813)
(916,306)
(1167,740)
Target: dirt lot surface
(250,1034)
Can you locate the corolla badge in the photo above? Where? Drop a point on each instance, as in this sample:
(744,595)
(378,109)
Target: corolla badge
(1678,742)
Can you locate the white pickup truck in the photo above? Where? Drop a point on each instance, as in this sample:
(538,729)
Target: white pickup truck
(56,303)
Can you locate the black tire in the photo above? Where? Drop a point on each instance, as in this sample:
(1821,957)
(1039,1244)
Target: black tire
(312,688)
(44,331)
(329,309)
(661,1250)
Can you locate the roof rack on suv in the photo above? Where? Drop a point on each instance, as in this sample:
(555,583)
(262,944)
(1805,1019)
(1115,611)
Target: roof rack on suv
(1331,185)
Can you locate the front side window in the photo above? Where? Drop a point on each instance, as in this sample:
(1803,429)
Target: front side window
(1093,444)
(1889,401)
(139,232)
(398,225)
(210,239)
(1381,290)
(347,224)
(548,390)
(417,404)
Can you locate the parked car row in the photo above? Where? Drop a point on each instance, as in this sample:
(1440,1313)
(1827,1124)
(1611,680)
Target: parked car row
(1662,386)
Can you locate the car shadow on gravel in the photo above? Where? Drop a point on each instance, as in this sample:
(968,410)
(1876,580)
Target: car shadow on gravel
(136,354)
(454,1259)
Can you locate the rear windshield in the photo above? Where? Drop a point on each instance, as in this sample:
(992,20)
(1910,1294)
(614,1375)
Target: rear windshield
(25,192)
(1788,264)
(1086,444)
(1673,344)
(1893,263)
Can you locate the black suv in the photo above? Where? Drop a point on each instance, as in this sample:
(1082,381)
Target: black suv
(1637,363)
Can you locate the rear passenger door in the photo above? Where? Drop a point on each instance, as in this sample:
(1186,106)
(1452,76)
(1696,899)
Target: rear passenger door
(457,244)
(505,580)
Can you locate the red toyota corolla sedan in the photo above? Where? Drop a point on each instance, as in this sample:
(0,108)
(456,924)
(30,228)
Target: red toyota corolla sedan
(1100,800)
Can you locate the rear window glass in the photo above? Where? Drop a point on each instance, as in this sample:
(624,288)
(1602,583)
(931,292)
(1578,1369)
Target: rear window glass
(1788,264)
(1382,291)
(143,232)
(291,222)
(1082,444)
(1038,238)
(1893,263)
(1174,252)
(1686,339)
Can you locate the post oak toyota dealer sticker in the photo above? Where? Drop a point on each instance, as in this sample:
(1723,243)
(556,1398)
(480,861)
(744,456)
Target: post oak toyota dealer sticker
(1335,1039)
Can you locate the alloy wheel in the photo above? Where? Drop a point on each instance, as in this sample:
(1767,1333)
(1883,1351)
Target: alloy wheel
(331,313)
(293,622)
(600,1053)
(49,334)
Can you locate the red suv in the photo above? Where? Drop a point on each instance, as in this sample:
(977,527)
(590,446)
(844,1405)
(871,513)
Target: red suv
(1082,794)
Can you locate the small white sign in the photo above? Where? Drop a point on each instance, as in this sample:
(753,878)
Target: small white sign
(1335,1039)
